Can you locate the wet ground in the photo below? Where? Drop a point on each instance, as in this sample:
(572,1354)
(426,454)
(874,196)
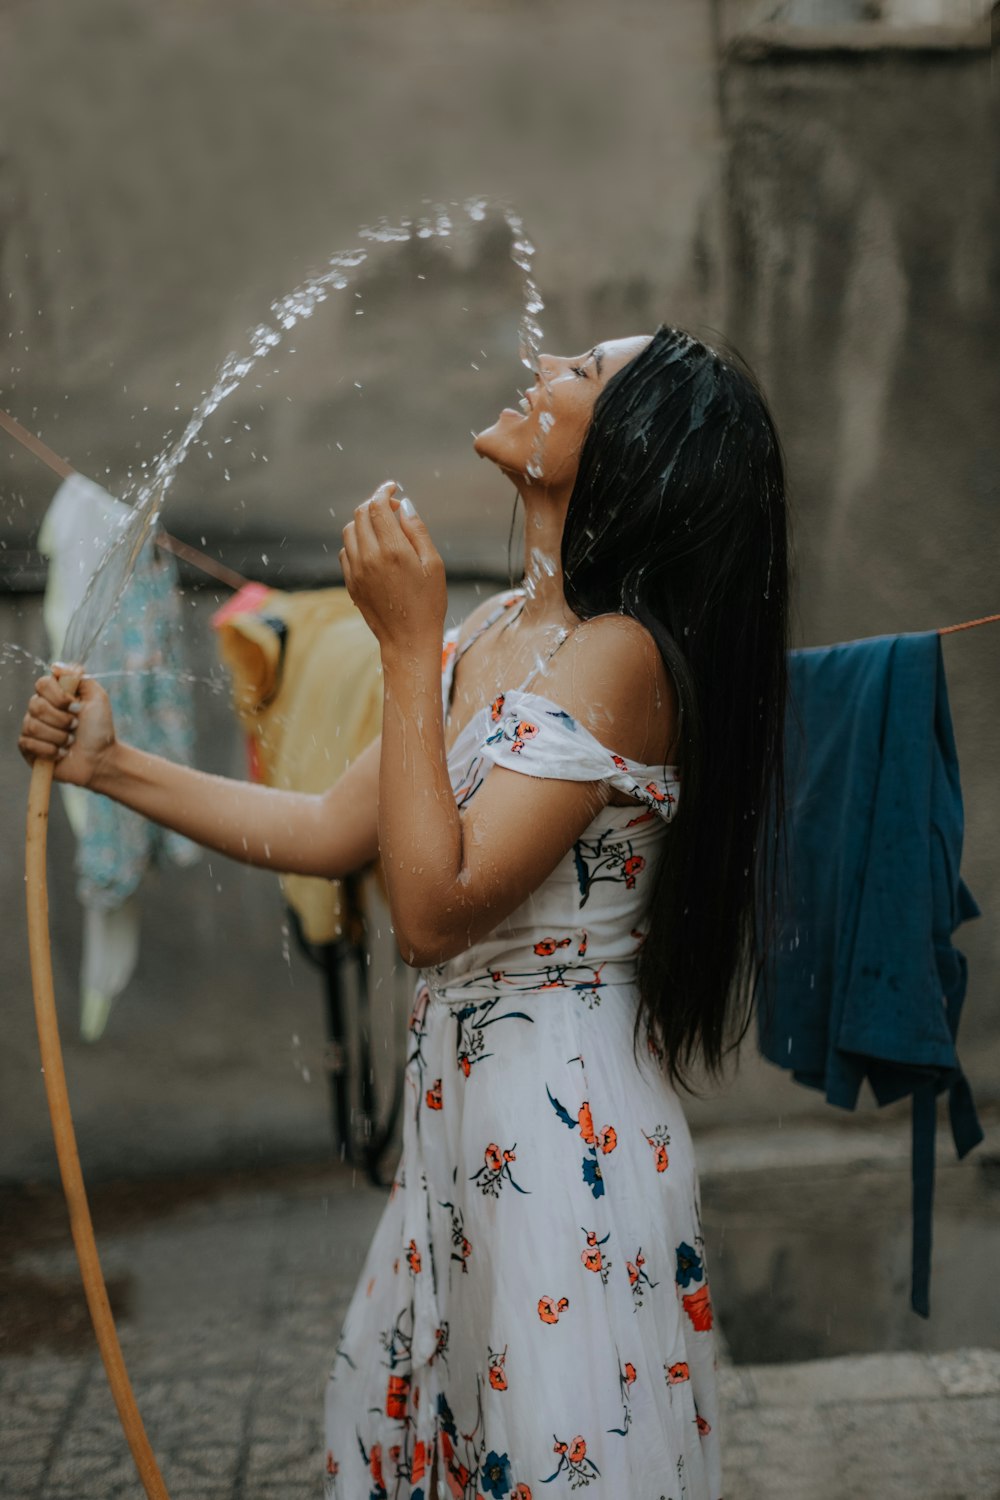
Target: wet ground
(229,1291)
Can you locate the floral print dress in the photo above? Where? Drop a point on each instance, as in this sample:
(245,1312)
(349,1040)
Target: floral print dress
(535,1304)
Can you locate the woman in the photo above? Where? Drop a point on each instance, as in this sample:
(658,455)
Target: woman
(573,833)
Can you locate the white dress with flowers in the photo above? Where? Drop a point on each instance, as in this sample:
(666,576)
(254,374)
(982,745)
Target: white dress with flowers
(535,1302)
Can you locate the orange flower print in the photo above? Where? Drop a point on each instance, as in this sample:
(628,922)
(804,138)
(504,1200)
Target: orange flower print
(413,1257)
(418,1464)
(626,1380)
(375,1465)
(573,1461)
(549,1309)
(496,708)
(498,1376)
(522,733)
(698,1306)
(607,1140)
(660,1140)
(660,794)
(632,867)
(332,1467)
(586,1122)
(703,1427)
(433,1095)
(447,652)
(521,1492)
(397,1398)
(465,1063)
(592,1258)
(638,1278)
(495,1170)
(678,1373)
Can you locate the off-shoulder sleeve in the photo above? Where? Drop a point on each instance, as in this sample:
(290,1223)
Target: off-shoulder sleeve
(531,734)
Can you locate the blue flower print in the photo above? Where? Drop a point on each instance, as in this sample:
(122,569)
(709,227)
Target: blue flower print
(689,1266)
(592,1176)
(495,1475)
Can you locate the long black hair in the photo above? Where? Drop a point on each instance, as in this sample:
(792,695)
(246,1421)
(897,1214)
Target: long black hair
(678,518)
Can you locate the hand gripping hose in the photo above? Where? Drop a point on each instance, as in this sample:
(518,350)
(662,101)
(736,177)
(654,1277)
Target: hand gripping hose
(54,1073)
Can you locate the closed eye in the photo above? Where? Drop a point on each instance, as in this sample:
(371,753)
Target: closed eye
(579,370)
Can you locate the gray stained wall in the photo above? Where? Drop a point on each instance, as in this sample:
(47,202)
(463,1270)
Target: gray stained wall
(166,171)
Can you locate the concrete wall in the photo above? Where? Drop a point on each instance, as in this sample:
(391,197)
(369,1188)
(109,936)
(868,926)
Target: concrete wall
(167,170)
(863,278)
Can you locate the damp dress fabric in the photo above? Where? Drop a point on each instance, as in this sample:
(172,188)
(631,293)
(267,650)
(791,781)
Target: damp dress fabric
(535,1303)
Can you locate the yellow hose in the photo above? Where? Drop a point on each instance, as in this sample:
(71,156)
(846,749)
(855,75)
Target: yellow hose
(39,945)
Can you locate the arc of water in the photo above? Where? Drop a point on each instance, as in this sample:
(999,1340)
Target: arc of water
(99,602)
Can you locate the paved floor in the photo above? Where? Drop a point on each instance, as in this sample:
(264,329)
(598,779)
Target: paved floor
(229,1294)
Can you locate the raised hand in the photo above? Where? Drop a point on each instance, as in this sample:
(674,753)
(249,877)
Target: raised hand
(394,573)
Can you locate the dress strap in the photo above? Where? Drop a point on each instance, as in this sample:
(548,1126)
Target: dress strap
(507,601)
(453,651)
(540,666)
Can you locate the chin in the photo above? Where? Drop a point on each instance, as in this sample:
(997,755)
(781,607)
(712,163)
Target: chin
(497,442)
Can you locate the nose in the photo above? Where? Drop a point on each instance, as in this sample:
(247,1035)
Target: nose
(549,366)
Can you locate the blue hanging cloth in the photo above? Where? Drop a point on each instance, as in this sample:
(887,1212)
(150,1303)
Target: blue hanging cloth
(865,982)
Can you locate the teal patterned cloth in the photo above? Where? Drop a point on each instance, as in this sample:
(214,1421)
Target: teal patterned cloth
(140,660)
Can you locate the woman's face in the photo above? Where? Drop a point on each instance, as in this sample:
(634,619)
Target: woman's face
(540,443)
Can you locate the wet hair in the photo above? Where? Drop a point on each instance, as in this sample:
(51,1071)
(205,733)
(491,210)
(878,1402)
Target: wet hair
(678,518)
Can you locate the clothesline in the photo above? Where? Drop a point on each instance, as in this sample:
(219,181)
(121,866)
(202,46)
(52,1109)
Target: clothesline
(199,560)
(229,576)
(968,624)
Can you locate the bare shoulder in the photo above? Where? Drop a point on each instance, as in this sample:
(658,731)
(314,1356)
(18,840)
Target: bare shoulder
(478,617)
(611,677)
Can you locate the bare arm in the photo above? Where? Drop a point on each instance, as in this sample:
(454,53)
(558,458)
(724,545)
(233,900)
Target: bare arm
(330,834)
(452,877)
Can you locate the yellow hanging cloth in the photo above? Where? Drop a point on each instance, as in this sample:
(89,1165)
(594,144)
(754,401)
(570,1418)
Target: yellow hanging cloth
(307,689)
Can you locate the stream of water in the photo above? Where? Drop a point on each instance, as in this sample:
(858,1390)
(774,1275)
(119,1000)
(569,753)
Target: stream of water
(147,496)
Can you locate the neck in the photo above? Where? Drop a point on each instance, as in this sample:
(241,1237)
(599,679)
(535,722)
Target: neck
(544,517)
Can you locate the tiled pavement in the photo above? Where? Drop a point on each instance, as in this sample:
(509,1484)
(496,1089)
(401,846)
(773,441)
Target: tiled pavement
(230,1303)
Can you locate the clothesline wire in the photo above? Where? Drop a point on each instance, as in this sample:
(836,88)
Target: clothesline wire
(192,555)
(968,624)
(228,576)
